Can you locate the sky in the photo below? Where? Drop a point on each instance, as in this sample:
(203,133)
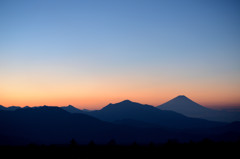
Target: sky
(89,53)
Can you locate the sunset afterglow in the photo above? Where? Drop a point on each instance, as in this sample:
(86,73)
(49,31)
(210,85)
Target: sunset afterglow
(92,53)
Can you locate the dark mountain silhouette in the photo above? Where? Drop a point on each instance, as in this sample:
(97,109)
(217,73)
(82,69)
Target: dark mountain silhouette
(149,114)
(228,132)
(233,127)
(53,125)
(47,124)
(69,108)
(186,106)
(86,110)
(236,109)
(2,107)
(136,123)
(11,108)
(72,109)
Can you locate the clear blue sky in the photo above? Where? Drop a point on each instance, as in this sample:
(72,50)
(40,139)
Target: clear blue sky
(150,49)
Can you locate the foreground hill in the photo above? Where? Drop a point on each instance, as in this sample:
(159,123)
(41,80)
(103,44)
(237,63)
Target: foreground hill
(187,107)
(48,125)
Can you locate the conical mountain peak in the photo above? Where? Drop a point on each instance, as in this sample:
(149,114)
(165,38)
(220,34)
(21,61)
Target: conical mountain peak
(184,105)
(182,97)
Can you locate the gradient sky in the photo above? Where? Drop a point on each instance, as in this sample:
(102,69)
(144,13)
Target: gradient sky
(89,53)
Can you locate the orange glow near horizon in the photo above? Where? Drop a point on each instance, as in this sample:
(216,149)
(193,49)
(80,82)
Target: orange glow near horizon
(96,98)
(98,103)
(95,92)
(85,55)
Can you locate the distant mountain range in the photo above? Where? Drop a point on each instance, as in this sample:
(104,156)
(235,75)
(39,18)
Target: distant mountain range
(180,104)
(126,122)
(148,114)
(12,108)
(187,107)
(69,108)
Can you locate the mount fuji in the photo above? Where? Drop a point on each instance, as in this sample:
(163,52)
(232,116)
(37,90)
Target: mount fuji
(187,107)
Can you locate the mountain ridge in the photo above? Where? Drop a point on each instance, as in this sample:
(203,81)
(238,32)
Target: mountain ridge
(53,125)
(71,109)
(149,114)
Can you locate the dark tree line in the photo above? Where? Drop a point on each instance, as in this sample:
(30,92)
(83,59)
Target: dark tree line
(172,148)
